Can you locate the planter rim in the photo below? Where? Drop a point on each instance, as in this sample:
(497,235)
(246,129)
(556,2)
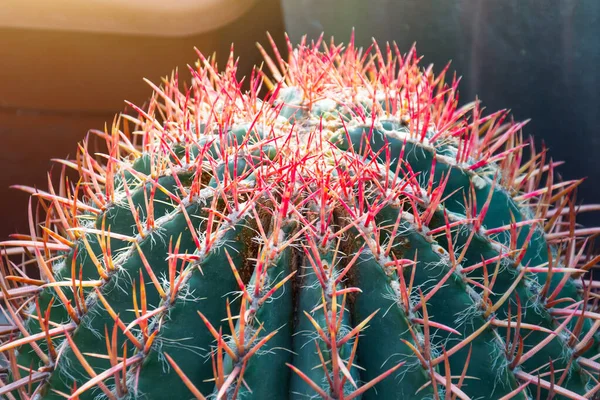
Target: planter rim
(137,17)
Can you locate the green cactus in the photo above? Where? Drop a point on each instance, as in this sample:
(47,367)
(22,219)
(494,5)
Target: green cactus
(353,234)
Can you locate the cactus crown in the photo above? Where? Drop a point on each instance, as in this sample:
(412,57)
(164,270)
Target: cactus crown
(355,233)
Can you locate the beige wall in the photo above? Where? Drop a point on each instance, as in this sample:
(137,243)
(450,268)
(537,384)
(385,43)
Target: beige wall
(54,86)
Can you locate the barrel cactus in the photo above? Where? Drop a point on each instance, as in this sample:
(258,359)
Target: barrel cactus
(354,233)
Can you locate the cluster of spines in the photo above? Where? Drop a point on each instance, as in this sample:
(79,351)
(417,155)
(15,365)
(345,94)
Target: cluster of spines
(430,115)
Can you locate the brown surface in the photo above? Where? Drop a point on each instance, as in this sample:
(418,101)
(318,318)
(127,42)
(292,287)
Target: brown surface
(57,85)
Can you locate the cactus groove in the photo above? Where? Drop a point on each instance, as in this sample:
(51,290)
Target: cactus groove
(353,234)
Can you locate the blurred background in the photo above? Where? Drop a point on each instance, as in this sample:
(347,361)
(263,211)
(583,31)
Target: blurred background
(63,73)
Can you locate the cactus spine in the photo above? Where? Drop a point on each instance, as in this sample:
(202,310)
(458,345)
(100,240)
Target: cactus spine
(354,234)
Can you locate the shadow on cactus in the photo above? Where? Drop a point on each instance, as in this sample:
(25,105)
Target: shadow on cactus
(353,234)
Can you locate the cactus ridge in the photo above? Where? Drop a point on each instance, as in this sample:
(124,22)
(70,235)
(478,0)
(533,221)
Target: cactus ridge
(352,234)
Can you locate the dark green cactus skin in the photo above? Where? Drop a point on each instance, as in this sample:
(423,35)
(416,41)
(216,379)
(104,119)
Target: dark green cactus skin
(373,282)
(298,251)
(306,356)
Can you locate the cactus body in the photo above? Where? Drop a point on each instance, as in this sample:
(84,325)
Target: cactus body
(355,234)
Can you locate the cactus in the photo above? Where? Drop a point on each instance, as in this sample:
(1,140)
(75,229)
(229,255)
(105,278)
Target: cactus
(354,233)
